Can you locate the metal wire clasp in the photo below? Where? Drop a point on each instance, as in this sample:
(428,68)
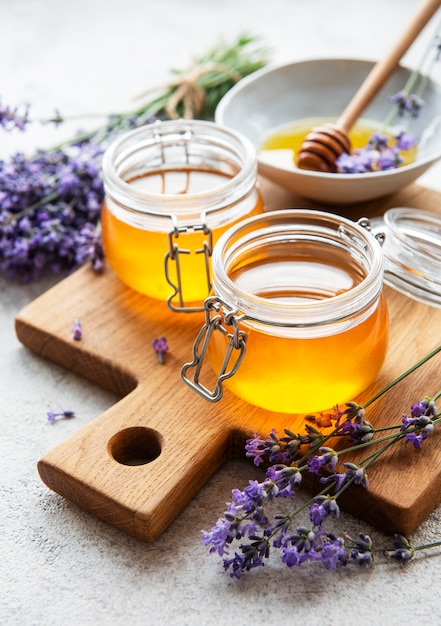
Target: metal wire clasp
(174,253)
(365,223)
(221,317)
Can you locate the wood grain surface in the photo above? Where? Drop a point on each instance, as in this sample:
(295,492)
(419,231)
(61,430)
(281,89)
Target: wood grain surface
(180,439)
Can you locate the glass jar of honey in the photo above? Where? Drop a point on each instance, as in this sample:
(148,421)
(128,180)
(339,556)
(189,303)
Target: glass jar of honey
(297,321)
(172,188)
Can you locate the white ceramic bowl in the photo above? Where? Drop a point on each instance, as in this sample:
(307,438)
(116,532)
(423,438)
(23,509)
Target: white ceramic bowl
(278,95)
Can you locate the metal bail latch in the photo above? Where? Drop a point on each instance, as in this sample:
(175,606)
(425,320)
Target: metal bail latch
(219,316)
(174,254)
(365,223)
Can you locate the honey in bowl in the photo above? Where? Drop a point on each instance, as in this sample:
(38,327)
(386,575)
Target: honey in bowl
(281,145)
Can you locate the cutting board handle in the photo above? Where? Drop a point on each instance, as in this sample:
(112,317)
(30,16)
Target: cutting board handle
(133,468)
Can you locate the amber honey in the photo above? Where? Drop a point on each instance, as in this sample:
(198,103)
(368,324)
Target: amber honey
(137,255)
(172,189)
(305,289)
(304,371)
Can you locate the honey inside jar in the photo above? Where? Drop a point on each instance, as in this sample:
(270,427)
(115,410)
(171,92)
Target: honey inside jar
(137,254)
(171,189)
(308,372)
(297,321)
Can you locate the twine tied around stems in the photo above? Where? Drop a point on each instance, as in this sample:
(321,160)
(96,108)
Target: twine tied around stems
(187,92)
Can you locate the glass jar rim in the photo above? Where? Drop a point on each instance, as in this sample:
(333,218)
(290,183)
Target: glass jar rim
(412,252)
(173,134)
(327,228)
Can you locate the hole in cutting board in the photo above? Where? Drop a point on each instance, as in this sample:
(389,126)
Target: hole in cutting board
(135,446)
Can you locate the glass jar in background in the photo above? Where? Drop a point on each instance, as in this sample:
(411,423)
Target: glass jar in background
(297,320)
(172,188)
(412,252)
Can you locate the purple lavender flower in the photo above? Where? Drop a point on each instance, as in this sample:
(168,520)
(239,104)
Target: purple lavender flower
(285,478)
(379,142)
(389,159)
(255,492)
(333,553)
(417,439)
(237,565)
(219,537)
(256,449)
(422,413)
(53,417)
(401,100)
(405,141)
(282,450)
(253,555)
(415,105)
(403,552)
(418,408)
(420,421)
(241,563)
(313,436)
(347,164)
(356,163)
(378,155)
(17,117)
(160,346)
(356,425)
(362,552)
(328,458)
(244,513)
(322,507)
(357,474)
(77,331)
(292,557)
(49,206)
(337,479)
(354,474)
(359,432)
(304,539)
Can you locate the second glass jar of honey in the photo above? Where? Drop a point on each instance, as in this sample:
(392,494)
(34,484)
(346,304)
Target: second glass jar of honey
(297,321)
(172,188)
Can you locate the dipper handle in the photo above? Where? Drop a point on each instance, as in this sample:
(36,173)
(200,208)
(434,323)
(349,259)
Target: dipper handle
(384,68)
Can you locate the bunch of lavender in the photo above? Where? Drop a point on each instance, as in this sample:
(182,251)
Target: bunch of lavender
(384,152)
(50,203)
(253,533)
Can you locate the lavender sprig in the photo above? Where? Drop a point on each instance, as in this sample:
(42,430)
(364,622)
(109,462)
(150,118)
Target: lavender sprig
(383,152)
(17,117)
(62,415)
(77,331)
(50,202)
(247,525)
(49,213)
(160,346)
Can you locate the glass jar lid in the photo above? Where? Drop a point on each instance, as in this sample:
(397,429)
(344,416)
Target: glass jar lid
(412,252)
(289,240)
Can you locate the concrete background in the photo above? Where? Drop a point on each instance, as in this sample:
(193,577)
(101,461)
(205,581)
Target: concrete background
(58,564)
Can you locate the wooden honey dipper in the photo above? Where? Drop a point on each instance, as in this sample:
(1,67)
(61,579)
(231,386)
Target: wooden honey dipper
(324,144)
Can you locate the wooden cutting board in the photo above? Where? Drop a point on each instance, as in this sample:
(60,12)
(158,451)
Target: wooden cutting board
(139,464)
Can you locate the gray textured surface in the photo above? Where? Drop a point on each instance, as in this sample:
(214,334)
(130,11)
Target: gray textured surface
(59,565)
